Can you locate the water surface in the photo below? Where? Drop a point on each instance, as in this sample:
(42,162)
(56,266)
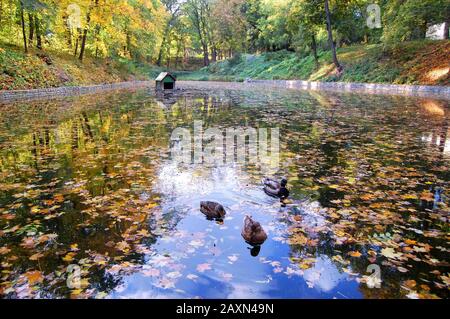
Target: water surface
(89,181)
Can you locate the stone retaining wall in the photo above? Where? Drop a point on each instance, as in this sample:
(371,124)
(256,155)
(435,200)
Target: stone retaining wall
(6,96)
(442,92)
(415,90)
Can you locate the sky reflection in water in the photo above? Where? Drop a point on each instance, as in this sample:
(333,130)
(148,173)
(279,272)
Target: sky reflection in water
(366,174)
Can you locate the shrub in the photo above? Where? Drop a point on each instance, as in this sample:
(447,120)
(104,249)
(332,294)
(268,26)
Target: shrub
(235,60)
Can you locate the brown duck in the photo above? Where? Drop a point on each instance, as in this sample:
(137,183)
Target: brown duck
(252,232)
(212,210)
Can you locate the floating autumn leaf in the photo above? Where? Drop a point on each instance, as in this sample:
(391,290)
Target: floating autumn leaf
(298,239)
(312,242)
(305,265)
(371,281)
(410,242)
(367,197)
(446,280)
(143,233)
(412,295)
(402,269)
(278,269)
(59,198)
(151,272)
(28,242)
(196,243)
(191,277)
(410,283)
(34,277)
(69,256)
(409,196)
(45,238)
(226,276)
(427,196)
(334,215)
(203,267)
(275,264)
(425,287)
(166,283)
(339,259)
(4,250)
(123,246)
(232,258)
(36,256)
(390,253)
(174,275)
(356,254)
(76,292)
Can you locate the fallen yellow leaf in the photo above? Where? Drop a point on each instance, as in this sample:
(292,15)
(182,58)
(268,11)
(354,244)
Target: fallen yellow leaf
(356,254)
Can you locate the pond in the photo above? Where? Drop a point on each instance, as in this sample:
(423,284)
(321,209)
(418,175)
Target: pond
(93,204)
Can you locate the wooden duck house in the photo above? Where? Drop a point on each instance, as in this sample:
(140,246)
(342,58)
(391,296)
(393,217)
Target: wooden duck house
(165,81)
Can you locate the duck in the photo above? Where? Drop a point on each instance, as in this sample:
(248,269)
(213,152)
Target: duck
(252,232)
(212,210)
(276,189)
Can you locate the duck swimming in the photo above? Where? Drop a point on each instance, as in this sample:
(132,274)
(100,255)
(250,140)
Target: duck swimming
(276,189)
(212,210)
(252,232)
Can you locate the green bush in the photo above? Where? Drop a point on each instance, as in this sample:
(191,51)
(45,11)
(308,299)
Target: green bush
(235,60)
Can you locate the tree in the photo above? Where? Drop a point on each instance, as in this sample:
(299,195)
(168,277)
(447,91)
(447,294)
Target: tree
(196,10)
(305,19)
(173,8)
(330,38)
(409,19)
(92,6)
(24,34)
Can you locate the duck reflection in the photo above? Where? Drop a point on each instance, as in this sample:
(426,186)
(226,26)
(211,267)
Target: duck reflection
(255,250)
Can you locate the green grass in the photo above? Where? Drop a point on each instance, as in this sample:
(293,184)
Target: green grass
(28,71)
(406,63)
(362,63)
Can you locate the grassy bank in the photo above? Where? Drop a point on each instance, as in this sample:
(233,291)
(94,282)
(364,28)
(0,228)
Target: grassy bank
(421,62)
(42,69)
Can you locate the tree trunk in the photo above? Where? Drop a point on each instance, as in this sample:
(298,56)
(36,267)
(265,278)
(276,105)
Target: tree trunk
(205,54)
(177,56)
(31,34)
(330,38)
(446,25)
(314,50)
(85,31)
(24,34)
(214,54)
(38,34)
(83,44)
(68,32)
(129,44)
(160,54)
(97,32)
(1,12)
(185,55)
(77,43)
(423,30)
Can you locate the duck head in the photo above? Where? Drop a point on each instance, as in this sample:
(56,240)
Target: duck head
(220,211)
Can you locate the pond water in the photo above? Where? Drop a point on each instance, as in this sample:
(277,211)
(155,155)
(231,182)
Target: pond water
(93,205)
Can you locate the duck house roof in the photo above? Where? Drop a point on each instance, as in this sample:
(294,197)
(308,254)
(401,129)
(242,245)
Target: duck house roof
(163,75)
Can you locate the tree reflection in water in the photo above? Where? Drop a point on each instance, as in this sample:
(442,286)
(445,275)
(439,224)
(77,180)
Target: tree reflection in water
(89,181)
